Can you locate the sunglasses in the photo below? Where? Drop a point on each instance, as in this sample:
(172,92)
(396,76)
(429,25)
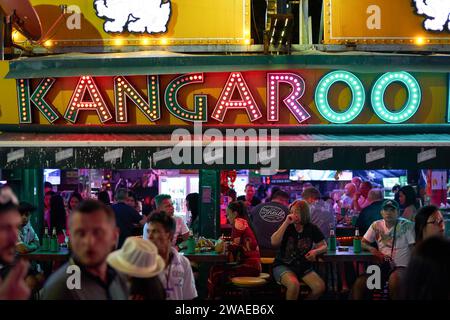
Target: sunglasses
(436,222)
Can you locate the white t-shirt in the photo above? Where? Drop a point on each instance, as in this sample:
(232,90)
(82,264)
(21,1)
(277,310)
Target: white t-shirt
(180,229)
(405,237)
(178,279)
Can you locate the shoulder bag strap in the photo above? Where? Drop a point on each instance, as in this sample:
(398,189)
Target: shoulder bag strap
(393,240)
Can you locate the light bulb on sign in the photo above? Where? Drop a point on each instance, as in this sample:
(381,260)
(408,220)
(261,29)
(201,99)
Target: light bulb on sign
(118,42)
(420,41)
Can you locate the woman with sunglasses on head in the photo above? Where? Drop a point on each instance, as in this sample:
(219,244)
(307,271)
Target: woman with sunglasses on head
(300,243)
(429,222)
(427,275)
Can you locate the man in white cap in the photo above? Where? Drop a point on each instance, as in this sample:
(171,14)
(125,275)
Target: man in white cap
(395,238)
(177,278)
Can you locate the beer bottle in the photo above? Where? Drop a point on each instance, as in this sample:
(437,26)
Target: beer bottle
(356,242)
(191,243)
(332,241)
(66,240)
(54,241)
(46,240)
(225,244)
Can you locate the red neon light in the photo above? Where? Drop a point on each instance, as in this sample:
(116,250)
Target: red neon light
(97,103)
(236,82)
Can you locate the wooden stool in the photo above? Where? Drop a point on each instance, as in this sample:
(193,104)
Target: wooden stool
(266,264)
(266,260)
(248,285)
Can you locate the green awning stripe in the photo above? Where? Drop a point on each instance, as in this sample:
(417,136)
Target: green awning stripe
(311,140)
(68,65)
(344,158)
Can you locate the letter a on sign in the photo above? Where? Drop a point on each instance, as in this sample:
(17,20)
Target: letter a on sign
(236,82)
(74,280)
(374,279)
(87,88)
(374,20)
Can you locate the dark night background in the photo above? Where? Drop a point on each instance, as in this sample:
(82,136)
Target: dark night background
(258,19)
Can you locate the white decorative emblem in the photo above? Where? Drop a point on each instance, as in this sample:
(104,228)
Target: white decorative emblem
(135,16)
(437,13)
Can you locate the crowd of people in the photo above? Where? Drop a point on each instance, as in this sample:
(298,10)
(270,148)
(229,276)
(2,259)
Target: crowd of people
(393,230)
(115,262)
(122,253)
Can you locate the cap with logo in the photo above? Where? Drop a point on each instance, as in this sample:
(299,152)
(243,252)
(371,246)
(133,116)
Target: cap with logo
(390,204)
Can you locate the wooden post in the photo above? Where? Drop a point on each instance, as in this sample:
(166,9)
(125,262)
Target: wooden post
(209,218)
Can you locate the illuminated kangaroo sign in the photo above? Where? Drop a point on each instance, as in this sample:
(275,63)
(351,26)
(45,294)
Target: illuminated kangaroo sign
(284,94)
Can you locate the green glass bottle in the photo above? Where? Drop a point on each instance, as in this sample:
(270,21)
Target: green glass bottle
(46,240)
(357,242)
(191,244)
(332,241)
(54,246)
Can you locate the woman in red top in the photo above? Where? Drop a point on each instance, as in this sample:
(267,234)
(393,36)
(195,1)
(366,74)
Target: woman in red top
(243,237)
(244,249)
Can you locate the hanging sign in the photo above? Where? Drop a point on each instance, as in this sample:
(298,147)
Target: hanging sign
(103,23)
(387,21)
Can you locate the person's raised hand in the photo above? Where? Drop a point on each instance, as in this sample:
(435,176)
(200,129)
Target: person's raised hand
(291,218)
(14,287)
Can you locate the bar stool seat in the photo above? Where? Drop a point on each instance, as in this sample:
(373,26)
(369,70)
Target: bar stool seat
(267,260)
(248,288)
(266,264)
(264,276)
(248,282)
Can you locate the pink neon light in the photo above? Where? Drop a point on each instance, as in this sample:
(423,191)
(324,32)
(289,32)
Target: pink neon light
(298,89)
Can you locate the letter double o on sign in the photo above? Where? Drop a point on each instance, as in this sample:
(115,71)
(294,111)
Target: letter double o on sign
(377,97)
(358,96)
